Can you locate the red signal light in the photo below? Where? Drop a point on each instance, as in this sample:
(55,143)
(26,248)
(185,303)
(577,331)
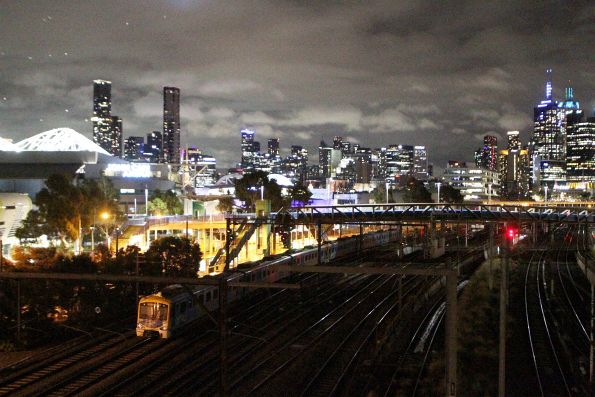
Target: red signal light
(511,233)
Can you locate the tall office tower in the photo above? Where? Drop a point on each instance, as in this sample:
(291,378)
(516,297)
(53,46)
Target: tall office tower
(337,142)
(171,125)
(152,150)
(328,160)
(273,147)
(379,163)
(400,160)
(514,141)
(364,166)
(295,166)
(248,153)
(324,159)
(580,151)
(477,157)
(489,153)
(116,136)
(134,148)
(420,163)
(548,152)
(346,148)
(513,168)
(102,119)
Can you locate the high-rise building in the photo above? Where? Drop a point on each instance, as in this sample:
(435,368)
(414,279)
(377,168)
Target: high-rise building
(580,151)
(134,148)
(548,154)
(487,156)
(420,163)
(513,167)
(248,152)
(400,161)
(103,123)
(116,139)
(514,141)
(152,150)
(337,142)
(328,159)
(273,147)
(171,125)
(295,166)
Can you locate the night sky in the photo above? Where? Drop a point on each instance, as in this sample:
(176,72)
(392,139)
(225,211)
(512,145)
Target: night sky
(376,72)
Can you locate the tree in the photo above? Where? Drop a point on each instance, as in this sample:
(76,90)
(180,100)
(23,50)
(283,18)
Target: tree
(248,190)
(225,204)
(165,203)
(173,256)
(65,209)
(449,194)
(415,192)
(300,193)
(379,194)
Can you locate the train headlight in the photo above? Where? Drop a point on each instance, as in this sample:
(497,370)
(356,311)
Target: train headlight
(139,325)
(163,328)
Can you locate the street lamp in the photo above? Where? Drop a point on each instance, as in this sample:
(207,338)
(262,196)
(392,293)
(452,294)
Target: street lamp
(438,186)
(387,185)
(105,216)
(489,193)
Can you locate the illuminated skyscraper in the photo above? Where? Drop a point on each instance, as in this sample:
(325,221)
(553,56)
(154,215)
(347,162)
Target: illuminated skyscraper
(106,129)
(581,151)
(171,125)
(513,167)
(400,160)
(116,136)
(420,163)
(548,152)
(152,150)
(248,152)
(273,147)
(487,156)
(134,148)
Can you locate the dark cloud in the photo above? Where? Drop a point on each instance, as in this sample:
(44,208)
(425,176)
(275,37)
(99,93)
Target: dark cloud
(420,72)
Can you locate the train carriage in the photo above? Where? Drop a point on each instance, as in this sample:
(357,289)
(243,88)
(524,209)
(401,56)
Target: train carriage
(165,312)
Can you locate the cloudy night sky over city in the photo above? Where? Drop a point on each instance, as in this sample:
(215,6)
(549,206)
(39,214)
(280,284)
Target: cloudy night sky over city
(376,72)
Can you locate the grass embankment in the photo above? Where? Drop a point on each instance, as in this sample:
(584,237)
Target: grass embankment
(478,320)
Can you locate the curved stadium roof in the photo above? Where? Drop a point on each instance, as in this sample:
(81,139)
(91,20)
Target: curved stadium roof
(7,146)
(59,140)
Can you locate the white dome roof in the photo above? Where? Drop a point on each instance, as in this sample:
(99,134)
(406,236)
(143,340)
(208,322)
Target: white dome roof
(59,140)
(7,146)
(228,179)
(281,180)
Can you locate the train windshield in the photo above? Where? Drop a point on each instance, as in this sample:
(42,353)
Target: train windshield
(153,314)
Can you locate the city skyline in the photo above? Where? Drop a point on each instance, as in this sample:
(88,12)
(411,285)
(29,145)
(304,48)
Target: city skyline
(377,75)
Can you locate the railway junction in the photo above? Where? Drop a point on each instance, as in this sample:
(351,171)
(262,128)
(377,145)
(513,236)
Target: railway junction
(312,333)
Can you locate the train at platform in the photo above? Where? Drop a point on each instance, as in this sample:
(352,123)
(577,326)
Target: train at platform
(163,314)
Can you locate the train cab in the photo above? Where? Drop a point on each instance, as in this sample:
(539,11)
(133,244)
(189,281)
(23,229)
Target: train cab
(153,317)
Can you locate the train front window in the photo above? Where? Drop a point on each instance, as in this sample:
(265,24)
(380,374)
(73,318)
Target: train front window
(153,314)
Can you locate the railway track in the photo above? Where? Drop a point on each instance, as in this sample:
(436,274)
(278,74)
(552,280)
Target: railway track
(149,367)
(551,378)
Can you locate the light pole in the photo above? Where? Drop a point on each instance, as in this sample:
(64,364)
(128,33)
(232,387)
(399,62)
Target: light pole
(117,239)
(105,216)
(387,185)
(438,187)
(489,193)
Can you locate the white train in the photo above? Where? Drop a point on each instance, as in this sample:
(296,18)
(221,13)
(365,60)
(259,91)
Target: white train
(176,305)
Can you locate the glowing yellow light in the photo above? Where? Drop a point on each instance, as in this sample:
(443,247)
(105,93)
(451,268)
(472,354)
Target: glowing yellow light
(105,215)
